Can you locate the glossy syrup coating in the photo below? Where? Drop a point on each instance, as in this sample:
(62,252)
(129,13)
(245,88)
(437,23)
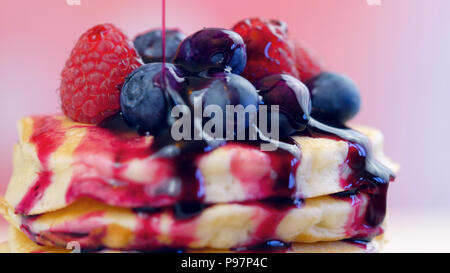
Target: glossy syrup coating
(292,97)
(367,176)
(212,50)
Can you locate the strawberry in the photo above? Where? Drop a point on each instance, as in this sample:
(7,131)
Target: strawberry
(94,73)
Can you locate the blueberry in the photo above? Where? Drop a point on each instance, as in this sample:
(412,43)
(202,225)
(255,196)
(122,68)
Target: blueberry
(230,89)
(149,44)
(227,89)
(221,90)
(292,97)
(212,50)
(335,98)
(143,100)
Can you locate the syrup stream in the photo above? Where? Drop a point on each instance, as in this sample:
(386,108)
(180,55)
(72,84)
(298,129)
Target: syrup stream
(163,43)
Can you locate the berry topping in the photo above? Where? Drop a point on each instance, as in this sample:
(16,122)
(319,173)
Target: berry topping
(212,50)
(228,89)
(335,98)
(143,99)
(149,44)
(271,51)
(268,48)
(222,90)
(292,97)
(308,64)
(92,75)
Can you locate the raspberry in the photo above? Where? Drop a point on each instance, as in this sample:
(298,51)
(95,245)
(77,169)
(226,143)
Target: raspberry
(270,51)
(93,74)
(308,64)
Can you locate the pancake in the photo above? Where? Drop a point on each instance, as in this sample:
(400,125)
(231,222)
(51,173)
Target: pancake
(222,226)
(57,162)
(19,243)
(4,247)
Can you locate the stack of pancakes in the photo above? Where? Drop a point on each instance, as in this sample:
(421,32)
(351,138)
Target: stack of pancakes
(107,189)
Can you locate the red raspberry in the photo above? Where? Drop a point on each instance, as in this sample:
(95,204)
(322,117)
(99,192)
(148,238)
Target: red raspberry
(271,51)
(94,72)
(307,62)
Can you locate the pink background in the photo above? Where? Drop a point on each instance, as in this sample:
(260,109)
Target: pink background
(398,53)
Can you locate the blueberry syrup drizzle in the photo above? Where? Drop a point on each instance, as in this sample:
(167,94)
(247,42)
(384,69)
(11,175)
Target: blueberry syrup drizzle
(184,155)
(187,180)
(368,175)
(46,140)
(163,38)
(189,198)
(109,179)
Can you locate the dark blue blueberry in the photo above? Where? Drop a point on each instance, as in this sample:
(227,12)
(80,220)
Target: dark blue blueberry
(335,98)
(221,90)
(149,44)
(226,89)
(292,97)
(212,50)
(143,100)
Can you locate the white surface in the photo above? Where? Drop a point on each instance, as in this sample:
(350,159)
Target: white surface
(418,231)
